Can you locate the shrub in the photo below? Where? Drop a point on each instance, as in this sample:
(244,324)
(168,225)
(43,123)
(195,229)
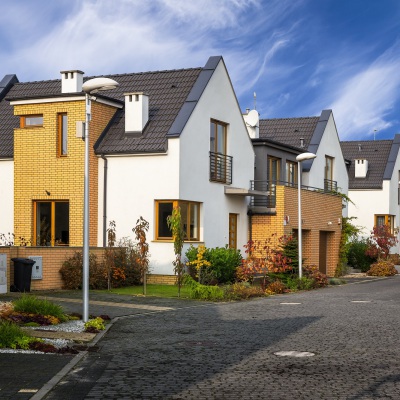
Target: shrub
(382,268)
(202,292)
(242,290)
(312,272)
(24,318)
(294,283)
(276,287)
(357,255)
(12,336)
(95,325)
(71,273)
(380,242)
(216,265)
(32,305)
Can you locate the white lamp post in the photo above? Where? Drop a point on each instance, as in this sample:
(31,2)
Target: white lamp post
(89,87)
(301,157)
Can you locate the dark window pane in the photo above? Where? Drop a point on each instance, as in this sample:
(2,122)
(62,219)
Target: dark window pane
(164,210)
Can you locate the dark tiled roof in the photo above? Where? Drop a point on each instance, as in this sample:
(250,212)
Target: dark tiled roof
(289,131)
(167,91)
(376,152)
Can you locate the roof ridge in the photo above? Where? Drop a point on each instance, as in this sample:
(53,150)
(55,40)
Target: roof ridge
(275,119)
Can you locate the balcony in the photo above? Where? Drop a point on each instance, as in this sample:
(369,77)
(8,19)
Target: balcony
(330,186)
(220,168)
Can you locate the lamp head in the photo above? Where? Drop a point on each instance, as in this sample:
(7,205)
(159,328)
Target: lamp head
(305,156)
(97,84)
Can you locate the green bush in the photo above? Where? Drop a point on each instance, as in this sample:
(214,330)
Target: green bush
(382,268)
(223,260)
(32,305)
(357,257)
(294,283)
(13,337)
(242,290)
(71,273)
(202,292)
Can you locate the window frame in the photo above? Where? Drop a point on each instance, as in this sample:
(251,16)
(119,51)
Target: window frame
(278,161)
(62,134)
(52,241)
(329,167)
(389,221)
(24,125)
(291,172)
(175,204)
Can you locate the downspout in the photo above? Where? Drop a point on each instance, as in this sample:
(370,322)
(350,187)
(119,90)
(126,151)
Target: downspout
(105,200)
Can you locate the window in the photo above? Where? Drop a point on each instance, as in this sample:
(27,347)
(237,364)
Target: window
(232,231)
(51,223)
(385,220)
(220,162)
(291,172)
(329,168)
(190,216)
(30,121)
(62,128)
(274,169)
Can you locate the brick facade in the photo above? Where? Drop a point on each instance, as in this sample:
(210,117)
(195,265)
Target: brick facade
(321,215)
(41,174)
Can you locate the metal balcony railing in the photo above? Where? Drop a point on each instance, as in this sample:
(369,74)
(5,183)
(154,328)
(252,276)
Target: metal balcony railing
(220,168)
(330,186)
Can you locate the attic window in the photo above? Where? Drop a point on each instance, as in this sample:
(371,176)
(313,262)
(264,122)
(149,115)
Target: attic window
(31,121)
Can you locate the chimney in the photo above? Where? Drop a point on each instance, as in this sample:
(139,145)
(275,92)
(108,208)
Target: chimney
(71,81)
(361,168)
(136,112)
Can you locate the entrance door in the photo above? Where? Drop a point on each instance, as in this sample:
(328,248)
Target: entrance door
(232,231)
(323,251)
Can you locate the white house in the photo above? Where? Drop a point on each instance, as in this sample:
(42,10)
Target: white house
(374,183)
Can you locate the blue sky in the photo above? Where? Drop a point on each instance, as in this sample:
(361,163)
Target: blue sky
(298,56)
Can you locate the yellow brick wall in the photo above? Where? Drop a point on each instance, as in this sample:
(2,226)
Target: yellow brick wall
(37,167)
(318,209)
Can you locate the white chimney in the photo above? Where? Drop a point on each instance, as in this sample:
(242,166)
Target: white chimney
(251,120)
(71,81)
(136,112)
(361,168)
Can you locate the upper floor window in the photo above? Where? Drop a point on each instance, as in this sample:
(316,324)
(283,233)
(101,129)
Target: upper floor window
(190,217)
(329,168)
(62,136)
(218,137)
(274,170)
(291,172)
(30,121)
(220,162)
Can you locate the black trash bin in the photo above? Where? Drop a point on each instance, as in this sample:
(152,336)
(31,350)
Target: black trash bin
(23,274)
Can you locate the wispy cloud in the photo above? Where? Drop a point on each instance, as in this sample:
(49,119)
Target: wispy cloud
(364,100)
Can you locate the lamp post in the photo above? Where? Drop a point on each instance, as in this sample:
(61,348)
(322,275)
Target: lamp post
(301,157)
(89,87)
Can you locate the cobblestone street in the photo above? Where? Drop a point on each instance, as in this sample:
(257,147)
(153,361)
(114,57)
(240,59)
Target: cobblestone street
(227,351)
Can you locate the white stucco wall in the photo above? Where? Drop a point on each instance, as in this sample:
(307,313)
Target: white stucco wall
(217,102)
(6,196)
(135,182)
(329,146)
(367,203)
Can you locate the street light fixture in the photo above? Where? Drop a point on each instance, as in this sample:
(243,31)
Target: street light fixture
(301,157)
(89,87)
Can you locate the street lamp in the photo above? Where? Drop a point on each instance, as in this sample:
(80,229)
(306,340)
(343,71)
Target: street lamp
(89,87)
(301,157)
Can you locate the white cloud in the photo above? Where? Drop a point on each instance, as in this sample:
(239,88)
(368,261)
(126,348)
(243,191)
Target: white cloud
(365,99)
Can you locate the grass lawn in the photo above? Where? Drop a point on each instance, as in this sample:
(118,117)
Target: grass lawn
(152,290)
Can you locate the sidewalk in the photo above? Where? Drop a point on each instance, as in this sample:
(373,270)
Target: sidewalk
(26,376)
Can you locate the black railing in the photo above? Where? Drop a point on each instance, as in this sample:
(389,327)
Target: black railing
(330,186)
(220,168)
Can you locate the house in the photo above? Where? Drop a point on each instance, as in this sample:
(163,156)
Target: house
(374,183)
(159,140)
(276,143)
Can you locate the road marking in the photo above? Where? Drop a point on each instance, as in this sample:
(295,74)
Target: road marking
(360,301)
(297,354)
(289,304)
(28,390)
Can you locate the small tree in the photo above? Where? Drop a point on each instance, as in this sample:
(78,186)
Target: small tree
(380,242)
(109,253)
(142,226)
(174,222)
